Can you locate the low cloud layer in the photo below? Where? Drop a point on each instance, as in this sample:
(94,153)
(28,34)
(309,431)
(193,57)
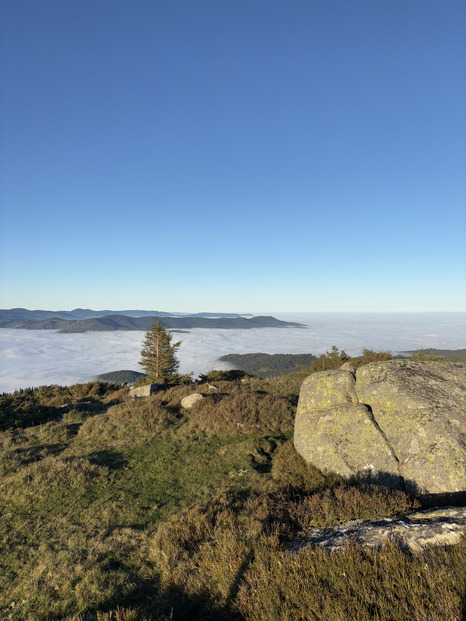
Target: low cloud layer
(37,357)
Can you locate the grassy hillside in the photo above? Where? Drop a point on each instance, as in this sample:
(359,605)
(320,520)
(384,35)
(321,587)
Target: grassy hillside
(123,510)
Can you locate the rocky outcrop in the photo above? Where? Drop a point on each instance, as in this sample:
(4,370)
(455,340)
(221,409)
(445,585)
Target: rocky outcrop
(143,391)
(416,530)
(400,423)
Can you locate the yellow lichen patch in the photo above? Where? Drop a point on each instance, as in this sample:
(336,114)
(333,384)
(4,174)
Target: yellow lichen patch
(328,389)
(343,440)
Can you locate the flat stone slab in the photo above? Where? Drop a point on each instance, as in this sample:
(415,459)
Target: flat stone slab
(416,530)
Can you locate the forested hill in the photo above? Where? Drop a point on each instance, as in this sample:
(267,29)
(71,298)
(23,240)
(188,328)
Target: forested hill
(124,322)
(269,365)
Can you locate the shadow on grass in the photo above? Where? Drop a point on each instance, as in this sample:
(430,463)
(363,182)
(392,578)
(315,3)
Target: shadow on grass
(455,499)
(174,411)
(31,454)
(29,415)
(109,458)
(16,414)
(73,429)
(179,607)
(151,604)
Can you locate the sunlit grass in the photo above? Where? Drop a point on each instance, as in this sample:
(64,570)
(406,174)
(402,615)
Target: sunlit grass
(125,510)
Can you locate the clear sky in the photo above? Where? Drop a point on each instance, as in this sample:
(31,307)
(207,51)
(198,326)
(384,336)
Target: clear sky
(233,155)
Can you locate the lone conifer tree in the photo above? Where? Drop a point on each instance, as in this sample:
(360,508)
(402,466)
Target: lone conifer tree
(158,354)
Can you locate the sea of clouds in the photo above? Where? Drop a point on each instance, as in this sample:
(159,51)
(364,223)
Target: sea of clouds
(38,357)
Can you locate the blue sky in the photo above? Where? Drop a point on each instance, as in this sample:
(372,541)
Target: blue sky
(233,155)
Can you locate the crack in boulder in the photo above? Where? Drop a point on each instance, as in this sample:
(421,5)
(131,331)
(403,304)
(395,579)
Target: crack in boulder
(371,416)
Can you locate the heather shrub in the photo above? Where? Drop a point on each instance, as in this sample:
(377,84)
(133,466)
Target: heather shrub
(207,549)
(127,420)
(352,585)
(243,412)
(368,356)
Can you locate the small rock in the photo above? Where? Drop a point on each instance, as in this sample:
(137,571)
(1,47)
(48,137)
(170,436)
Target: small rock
(190,401)
(143,391)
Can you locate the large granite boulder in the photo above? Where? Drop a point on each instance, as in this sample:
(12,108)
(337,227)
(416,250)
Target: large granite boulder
(400,423)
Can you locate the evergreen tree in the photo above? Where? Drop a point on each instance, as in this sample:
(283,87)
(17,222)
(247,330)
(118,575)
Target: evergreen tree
(158,354)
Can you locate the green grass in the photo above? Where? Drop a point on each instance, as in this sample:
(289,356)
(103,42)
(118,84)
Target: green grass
(125,510)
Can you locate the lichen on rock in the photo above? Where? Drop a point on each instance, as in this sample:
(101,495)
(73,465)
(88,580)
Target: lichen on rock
(416,530)
(398,421)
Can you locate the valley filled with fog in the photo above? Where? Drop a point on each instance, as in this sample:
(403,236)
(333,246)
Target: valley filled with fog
(37,357)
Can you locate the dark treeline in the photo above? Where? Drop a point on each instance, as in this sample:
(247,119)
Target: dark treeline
(269,365)
(453,355)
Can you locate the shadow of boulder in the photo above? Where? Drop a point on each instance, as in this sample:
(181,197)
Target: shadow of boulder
(385,479)
(393,481)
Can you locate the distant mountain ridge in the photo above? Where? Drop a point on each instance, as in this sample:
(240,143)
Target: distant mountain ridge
(24,314)
(66,321)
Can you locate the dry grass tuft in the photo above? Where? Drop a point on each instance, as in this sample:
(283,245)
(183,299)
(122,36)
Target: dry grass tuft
(142,418)
(242,413)
(208,548)
(354,585)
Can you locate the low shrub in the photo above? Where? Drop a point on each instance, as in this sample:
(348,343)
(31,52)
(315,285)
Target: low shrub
(368,356)
(222,375)
(129,419)
(210,550)
(353,585)
(243,412)
(333,359)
